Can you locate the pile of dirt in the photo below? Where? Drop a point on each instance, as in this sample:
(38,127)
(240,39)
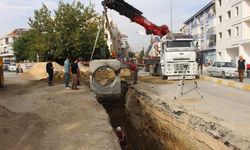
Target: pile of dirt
(155,80)
(84,69)
(38,72)
(20,130)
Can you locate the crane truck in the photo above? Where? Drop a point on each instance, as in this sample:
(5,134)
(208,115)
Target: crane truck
(176,49)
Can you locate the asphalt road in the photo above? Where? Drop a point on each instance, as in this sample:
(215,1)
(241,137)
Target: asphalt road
(227,106)
(246,79)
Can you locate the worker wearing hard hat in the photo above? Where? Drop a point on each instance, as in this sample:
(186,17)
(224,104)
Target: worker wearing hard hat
(121,136)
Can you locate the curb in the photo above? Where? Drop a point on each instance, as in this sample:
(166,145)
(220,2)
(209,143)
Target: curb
(243,86)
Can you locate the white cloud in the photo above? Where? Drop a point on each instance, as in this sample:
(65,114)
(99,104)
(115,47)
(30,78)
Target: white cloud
(15,13)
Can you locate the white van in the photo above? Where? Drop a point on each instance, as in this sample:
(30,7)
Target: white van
(12,68)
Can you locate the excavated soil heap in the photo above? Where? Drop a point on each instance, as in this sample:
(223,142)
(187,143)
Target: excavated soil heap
(20,130)
(38,72)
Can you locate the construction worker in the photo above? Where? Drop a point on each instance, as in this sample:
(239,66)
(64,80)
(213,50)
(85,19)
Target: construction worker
(121,136)
(132,67)
(50,71)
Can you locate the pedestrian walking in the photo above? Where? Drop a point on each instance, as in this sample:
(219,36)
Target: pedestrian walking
(50,71)
(122,138)
(67,73)
(199,60)
(241,67)
(74,71)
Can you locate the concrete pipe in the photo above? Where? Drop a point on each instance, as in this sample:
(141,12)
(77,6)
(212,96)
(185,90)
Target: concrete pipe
(105,77)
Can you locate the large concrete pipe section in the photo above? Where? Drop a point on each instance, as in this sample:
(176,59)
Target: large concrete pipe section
(105,76)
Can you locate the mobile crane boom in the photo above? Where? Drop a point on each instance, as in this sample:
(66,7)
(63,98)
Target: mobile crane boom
(135,15)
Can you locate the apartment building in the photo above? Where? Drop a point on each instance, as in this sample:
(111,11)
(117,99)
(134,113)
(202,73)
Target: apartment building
(233,29)
(117,40)
(6,42)
(202,26)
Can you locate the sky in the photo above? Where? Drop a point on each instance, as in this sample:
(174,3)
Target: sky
(15,14)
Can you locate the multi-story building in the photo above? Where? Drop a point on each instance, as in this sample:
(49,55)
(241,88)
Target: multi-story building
(202,26)
(6,42)
(117,40)
(233,29)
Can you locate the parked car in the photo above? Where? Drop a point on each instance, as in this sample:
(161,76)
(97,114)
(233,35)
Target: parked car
(12,68)
(248,70)
(6,66)
(223,69)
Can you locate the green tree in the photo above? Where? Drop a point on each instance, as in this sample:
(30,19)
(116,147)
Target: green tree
(41,32)
(71,32)
(21,46)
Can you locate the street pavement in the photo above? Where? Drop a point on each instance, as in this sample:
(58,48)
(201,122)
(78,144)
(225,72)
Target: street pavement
(227,106)
(246,79)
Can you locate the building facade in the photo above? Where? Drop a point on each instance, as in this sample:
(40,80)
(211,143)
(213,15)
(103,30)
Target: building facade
(116,41)
(233,29)
(6,44)
(202,26)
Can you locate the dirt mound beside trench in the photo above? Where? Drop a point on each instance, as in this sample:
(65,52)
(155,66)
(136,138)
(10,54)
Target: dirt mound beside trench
(38,72)
(20,130)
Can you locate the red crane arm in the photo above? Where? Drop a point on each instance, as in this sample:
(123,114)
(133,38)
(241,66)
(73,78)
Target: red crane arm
(135,15)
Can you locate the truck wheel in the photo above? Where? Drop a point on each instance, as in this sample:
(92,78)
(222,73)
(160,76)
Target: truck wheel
(164,77)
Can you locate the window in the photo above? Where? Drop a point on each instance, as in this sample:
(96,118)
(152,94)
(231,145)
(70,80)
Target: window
(236,31)
(218,65)
(215,64)
(219,2)
(229,33)
(220,19)
(6,41)
(179,44)
(237,11)
(202,29)
(220,35)
(228,14)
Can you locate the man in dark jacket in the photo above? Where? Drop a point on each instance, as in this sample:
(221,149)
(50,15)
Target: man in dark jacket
(75,72)
(199,61)
(50,71)
(241,67)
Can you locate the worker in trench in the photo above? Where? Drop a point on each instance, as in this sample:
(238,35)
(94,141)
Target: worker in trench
(122,138)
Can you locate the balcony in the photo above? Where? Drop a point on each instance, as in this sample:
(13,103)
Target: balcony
(246,30)
(246,8)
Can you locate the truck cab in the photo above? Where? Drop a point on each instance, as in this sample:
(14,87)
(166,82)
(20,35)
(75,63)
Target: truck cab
(178,56)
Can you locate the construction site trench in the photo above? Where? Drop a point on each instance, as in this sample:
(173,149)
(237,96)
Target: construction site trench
(150,124)
(143,128)
(150,121)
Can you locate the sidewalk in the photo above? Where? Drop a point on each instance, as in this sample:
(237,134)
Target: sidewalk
(227,82)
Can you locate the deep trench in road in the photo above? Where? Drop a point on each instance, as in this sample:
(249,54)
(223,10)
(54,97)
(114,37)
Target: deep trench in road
(115,107)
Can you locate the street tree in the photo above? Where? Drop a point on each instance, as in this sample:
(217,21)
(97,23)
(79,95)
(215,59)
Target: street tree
(70,32)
